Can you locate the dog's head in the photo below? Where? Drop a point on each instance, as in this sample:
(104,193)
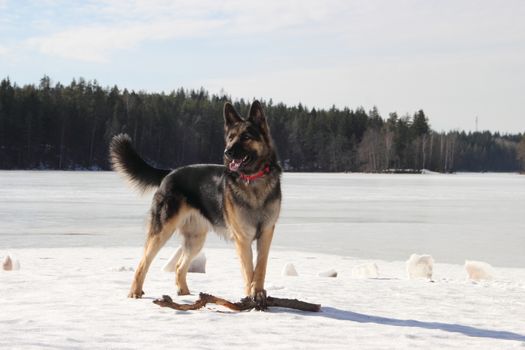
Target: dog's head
(248,141)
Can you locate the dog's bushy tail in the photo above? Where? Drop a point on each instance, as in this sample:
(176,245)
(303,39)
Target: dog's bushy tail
(125,161)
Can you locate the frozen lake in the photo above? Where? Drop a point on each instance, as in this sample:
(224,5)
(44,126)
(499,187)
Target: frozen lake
(388,217)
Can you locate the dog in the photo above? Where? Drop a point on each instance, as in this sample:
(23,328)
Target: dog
(240,200)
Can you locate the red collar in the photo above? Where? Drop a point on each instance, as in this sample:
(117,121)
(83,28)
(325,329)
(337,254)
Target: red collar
(255,176)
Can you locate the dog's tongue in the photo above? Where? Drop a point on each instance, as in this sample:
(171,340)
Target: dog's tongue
(235,164)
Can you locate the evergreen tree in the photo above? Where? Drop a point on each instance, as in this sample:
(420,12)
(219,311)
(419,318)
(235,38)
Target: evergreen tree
(48,126)
(521,153)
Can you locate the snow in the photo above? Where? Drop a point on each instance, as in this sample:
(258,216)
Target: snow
(479,270)
(369,270)
(289,270)
(420,266)
(123,269)
(197,265)
(328,273)
(74,298)
(79,237)
(429,172)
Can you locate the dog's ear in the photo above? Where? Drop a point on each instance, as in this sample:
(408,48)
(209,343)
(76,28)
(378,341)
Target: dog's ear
(231,116)
(256,115)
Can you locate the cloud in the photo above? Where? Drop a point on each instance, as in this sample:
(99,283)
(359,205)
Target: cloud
(250,11)
(452,90)
(3,51)
(97,43)
(453,59)
(123,25)
(95,30)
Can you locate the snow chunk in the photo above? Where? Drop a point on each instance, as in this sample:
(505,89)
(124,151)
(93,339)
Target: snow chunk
(369,270)
(420,266)
(479,270)
(7,265)
(289,270)
(429,172)
(197,265)
(10,263)
(171,265)
(328,273)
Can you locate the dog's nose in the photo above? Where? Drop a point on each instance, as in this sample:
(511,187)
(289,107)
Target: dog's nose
(228,152)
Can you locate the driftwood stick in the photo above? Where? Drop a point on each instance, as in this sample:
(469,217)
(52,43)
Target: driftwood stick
(245,304)
(293,304)
(166,301)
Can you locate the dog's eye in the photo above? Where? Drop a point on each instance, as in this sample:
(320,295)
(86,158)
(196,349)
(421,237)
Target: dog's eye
(246,137)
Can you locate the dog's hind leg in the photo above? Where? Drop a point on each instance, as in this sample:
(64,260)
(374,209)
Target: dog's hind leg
(193,236)
(154,241)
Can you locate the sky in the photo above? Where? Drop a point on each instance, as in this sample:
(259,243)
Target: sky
(455,59)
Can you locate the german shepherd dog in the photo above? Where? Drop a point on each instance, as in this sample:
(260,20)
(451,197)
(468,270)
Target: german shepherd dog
(240,200)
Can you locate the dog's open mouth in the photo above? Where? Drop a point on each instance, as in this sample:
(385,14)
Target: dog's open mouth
(235,164)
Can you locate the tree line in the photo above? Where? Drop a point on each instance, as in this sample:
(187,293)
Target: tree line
(48,126)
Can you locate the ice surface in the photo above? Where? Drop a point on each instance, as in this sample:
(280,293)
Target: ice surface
(289,270)
(420,266)
(479,270)
(369,270)
(377,216)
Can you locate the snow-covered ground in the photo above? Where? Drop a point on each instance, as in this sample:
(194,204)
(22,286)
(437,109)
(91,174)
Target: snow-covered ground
(75,298)
(77,237)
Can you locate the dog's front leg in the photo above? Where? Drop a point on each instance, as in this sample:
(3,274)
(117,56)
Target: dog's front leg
(263,249)
(244,250)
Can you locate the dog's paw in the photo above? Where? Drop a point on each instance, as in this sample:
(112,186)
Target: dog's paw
(260,300)
(183,291)
(135,294)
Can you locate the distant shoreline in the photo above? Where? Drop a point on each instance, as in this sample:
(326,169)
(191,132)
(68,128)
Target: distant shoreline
(385,172)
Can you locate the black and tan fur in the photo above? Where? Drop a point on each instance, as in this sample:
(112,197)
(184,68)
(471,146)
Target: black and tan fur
(195,199)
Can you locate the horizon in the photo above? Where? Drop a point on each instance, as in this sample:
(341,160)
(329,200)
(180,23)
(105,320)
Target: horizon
(457,61)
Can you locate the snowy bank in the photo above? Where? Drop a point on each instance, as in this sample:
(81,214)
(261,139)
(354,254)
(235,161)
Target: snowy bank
(76,298)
